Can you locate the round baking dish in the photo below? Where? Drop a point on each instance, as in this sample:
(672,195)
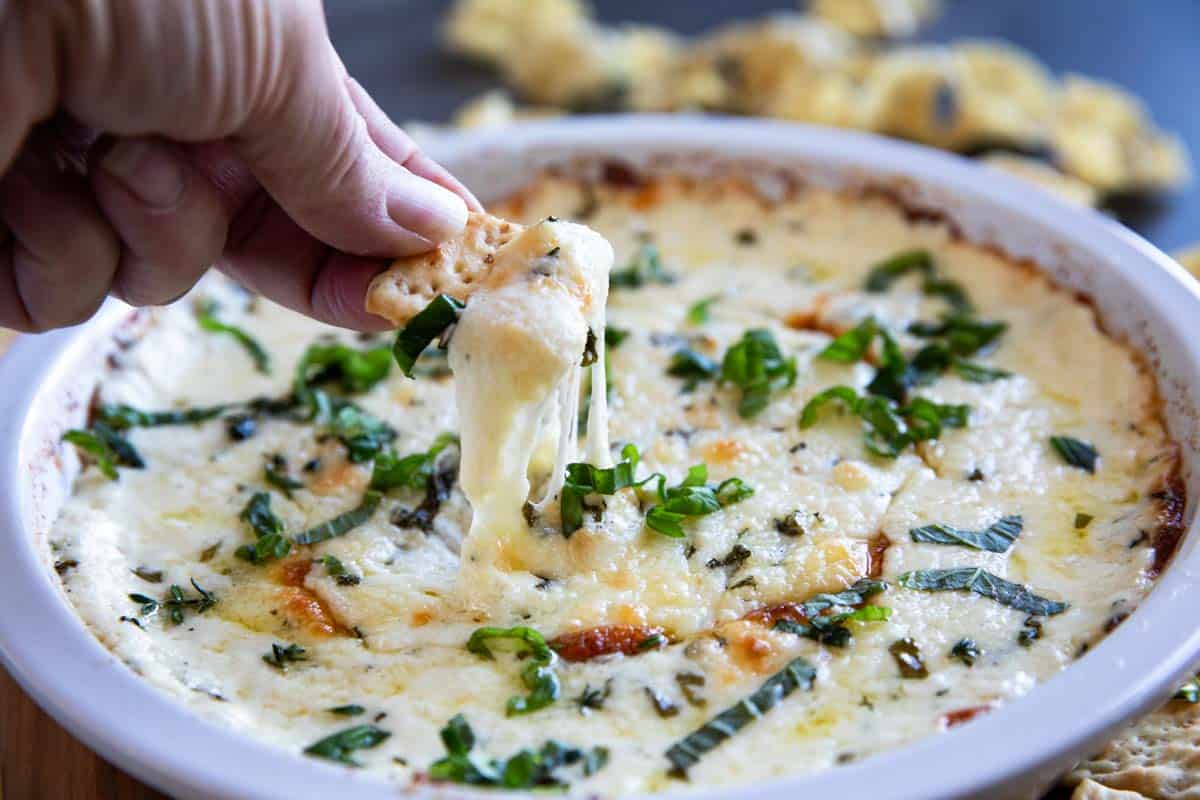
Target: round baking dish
(1143,297)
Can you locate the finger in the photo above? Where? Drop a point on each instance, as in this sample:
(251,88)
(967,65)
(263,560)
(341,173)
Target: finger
(311,150)
(400,147)
(48,278)
(169,217)
(269,253)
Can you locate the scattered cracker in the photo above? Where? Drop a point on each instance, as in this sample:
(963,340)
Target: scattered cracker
(1042,174)
(1090,790)
(877,18)
(454,268)
(1158,756)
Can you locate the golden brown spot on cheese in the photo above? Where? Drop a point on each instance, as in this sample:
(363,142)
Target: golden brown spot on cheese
(603,640)
(767,616)
(877,547)
(723,451)
(293,571)
(340,475)
(851,476)
(303,609)
(749,647)
(422,617)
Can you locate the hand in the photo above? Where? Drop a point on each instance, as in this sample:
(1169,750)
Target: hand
(176,135)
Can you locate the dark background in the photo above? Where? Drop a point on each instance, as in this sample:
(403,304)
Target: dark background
(1151,47)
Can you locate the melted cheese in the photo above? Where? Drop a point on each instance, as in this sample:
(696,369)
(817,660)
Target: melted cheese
(516,354)
(394,642)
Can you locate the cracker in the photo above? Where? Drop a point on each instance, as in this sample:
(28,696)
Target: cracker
(1090,790)
(1158,756)
(454,268)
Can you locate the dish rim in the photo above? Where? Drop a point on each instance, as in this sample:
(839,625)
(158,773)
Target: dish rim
(57,660)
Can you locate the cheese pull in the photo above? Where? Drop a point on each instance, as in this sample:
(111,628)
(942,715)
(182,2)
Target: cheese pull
(534,320)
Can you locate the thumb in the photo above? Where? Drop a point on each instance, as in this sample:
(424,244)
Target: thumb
(311,149)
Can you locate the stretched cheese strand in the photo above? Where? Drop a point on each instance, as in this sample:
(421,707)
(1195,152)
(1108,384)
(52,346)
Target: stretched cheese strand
(516,355)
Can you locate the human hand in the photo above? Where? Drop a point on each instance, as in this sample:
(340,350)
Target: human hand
(176,135)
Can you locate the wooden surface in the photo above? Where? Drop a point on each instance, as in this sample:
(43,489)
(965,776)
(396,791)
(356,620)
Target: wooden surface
(389,45)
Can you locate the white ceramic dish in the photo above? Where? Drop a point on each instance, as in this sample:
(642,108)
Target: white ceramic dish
(1144,298)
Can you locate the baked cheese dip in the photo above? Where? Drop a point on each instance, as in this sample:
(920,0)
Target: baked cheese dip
(863,481)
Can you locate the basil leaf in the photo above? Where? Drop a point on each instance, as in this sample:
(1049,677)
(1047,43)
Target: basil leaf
(851,346)
(888,428)
(275,474)
(257,513)
(964,335)
(984,584)
(908,659)
(355,371)
(351,710)
(343,523)
(977,373)
(270,542)
(95,447)
(363,434)
(527,769)
(614,336)
(995,538)
(687,363)
(121,417)
(687,752)
(206,318)
(1076,452)
(584,479)
(411,471)
(537,674)
(885,273)
(339,746)
(644,267)
(966,651)
(693,497)
(429,323)
(698,312)
(756,366)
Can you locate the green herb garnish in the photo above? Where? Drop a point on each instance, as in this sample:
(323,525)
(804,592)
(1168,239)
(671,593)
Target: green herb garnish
(590,699)
(1076,452)
(206,318)
(984,584)
(270,543)
(995,538)
(692,366)
(853,345)
(354,371)
(411,471)
(908,659)
(1188,692)
(282,655)
(363,434)
(698,312)
(966,651)
(614,336)
(889,428)
(343,523)
(692,497)
(757,367)
(527,769)
(429,323)
(107,447)
(826,615)
(339,746)
(176,602)
(887,272)
(538,672)
(351,710)
(1082,520)
(120,416)
(584,479)
(275,474)
(687,752)
(644,267)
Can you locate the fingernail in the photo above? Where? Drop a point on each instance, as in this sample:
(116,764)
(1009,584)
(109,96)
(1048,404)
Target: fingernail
(149,170)
(429,211)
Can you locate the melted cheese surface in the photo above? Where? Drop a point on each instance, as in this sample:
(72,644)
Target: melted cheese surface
(393,641)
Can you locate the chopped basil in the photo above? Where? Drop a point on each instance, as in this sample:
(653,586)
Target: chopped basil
(995,538)
(120,417)
(908,659)
(270,542)
(687,752)
(333,565)
(885,273)
(977,373)
(363,434)
(614,336)
(1075,452)
(732,560)
(832,629)
(282,655)
(889,427)
(206,318)
(355,371)
(1082,520)
(176,602)
(693,497)
(655,641)
(1030,631)
(412,471)
(438,484)
(429,323)
(583,479)
(590,699)
(962,334)
(351,710)
(757,367)
(643,268)
(698,312)
(148,575)
(984,584)
(343,523)
(538,673)
(107,447)
(342,744)
(853,345)
(692,366)
(966,651)
(527,769)
(275,474)
(688,683)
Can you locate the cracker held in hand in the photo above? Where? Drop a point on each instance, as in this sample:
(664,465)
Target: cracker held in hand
(454,268)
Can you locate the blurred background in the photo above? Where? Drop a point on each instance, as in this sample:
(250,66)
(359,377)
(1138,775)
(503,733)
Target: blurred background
(1151,48)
